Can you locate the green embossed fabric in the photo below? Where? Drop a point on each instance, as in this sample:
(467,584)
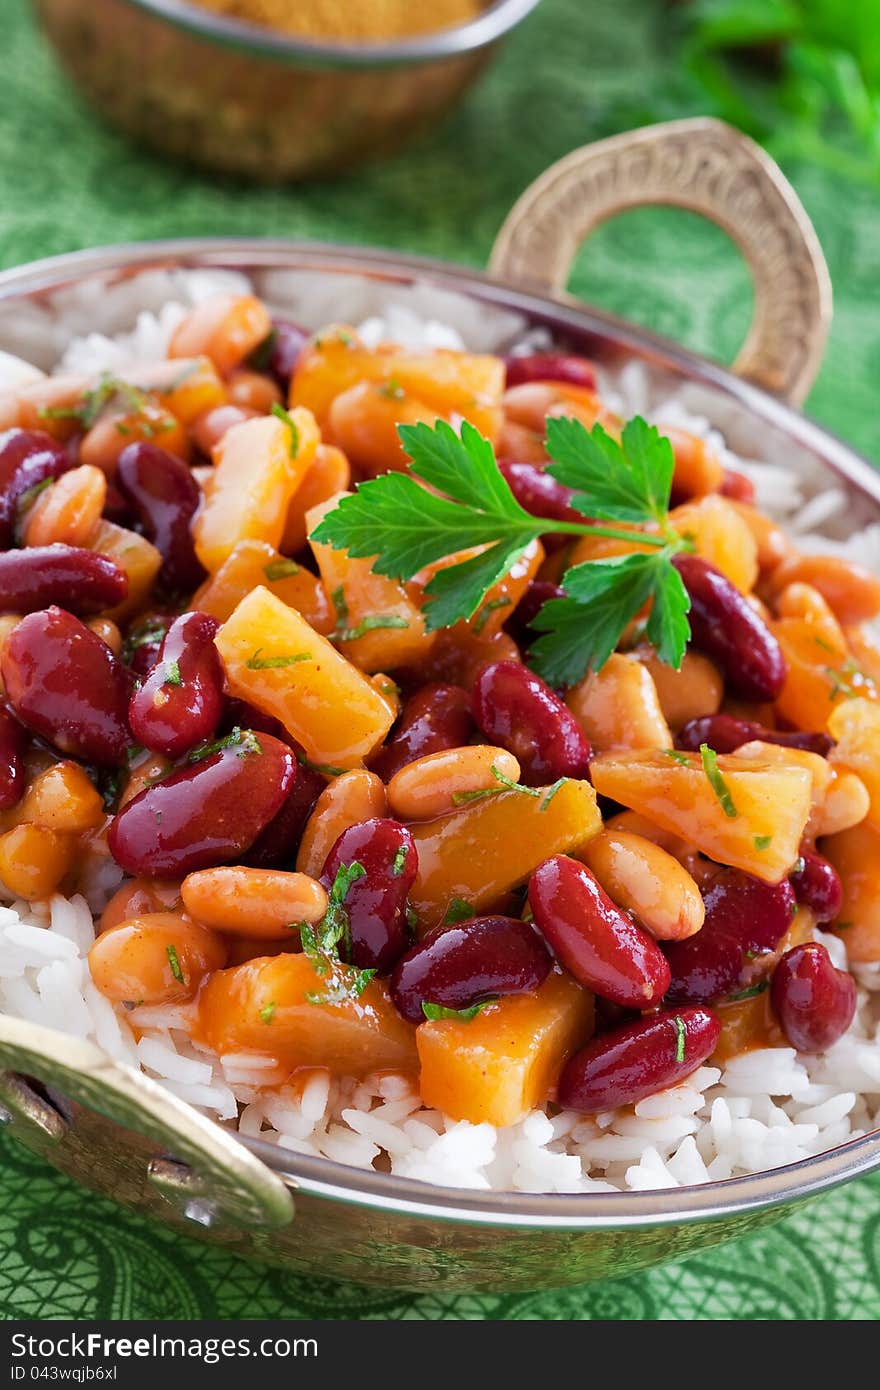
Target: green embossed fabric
(563,80)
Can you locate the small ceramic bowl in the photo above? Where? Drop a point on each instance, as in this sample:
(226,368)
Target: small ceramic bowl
(241,99)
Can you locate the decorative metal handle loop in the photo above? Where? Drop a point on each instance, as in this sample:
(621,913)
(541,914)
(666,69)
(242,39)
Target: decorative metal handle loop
(224,1176)
(710,168)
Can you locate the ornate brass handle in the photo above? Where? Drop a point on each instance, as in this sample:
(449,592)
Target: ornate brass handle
(196,1165)
(710,168)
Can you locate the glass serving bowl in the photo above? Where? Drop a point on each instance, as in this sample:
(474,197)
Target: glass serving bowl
(242,99)
(115,1130)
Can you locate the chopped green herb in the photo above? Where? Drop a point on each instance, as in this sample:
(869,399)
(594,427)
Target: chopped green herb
(826,646)
(122,428)
(394,520)
(751,993)
(392,390)
(485,613)
(843,926)
(551,792)
(171,674)
(386,686)
(245,740)
(262,355)
(329,943)
(457,911)
(677,757)
(716,781)
(275,663)
(505,784)
(762,841)
(348,984)
(849,681)
(680,1038)
(29,497)
(337,598)
(327,769)
(433,1012)
(412,918)
(267,1013)
(148,635)
(371,623)
(281,569)
(398,864)
(174,962)
(285,415)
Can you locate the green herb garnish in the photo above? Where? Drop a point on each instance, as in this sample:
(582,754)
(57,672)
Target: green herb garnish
(275,663)
(373,622)
(716,781)
(680,1038)
(171,673)
(29,497)
(457,911)
(505,783)
(392,390)
(843,926)
(486,612)
(433,1012)
(762,842)
(551,792)
(267,1013)
(398,863)
(337,598)
(245,740)
(677,757)
(328,944)
(262,354)
(751,993)
(174,962)
(404,527)
(281,569)
(284,415)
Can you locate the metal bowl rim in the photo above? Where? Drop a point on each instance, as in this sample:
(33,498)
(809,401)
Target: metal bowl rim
(338,1182)
(487,28)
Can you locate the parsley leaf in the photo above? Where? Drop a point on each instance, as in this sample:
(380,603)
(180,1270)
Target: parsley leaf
(629,481)
(403,527)
(433,1012)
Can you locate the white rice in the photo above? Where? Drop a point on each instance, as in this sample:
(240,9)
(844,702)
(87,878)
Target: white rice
(766,1108)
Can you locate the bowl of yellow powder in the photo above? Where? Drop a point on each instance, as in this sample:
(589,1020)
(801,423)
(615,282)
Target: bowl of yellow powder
(276,90)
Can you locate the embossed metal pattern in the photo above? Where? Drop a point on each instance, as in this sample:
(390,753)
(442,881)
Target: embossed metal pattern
(710,168)
(242,1187)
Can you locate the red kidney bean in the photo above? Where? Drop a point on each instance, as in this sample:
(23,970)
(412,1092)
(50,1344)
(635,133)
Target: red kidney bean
(814,1002)
(550,366)
(745,919)
(166,497)
(540,494)
(281,353)
(376,902)
(729,631)
(436,717)
(181,701)
(143,643)
(626,1065)
(516,709)
(601,946)
(208,812)
(27,458)
(817,885)
(474,960)
(66,685)
(277,845)
(117,508)
(12,771)
(737,486)
(519,624)
(44,574)
(725,734)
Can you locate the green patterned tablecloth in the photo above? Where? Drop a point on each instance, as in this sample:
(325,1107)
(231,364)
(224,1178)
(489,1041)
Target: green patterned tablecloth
(67,182)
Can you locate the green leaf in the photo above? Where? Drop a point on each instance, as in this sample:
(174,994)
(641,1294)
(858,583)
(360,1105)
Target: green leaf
(462,466)
(667,628)
(457,591)
(583,629)
(174,962)
(680,1038)
(287,419)
(459,910)
(629,481)
(371,623)
(716,780)
(433,1012)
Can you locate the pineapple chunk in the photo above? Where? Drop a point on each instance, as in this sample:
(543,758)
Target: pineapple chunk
(498,1066)
(770,805)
